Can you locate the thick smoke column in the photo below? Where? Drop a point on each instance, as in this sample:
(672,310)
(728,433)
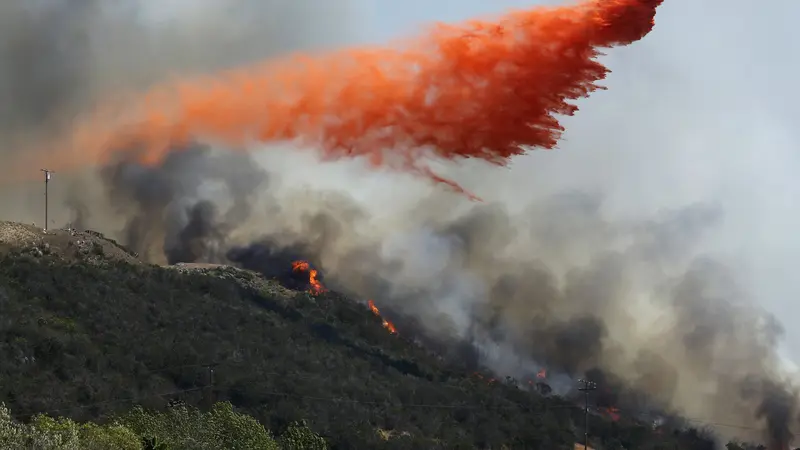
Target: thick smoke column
(173,209)
(487,90)
(60,57)
(633,305)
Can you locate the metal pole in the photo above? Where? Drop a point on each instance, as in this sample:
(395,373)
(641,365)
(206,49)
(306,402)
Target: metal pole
(208,390)
(587,386)
(46,209)
(586,420)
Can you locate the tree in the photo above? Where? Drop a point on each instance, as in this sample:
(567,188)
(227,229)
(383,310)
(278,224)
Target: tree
(47,433)
(187,428)
(299,437)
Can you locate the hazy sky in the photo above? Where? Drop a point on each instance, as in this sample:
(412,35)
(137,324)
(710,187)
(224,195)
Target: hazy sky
(703,109)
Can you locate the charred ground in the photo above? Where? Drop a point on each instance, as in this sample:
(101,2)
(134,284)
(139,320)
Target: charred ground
(87,330)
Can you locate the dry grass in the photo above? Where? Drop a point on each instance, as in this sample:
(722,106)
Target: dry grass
(14,234)
(196,266)
(91,246)
(270,288)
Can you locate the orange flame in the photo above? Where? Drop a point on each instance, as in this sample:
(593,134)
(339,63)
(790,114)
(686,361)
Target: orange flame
(304,266)
(542,374)
(386,324)
(481,89)
(373,308)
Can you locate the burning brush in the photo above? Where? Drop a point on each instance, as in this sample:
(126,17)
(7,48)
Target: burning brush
(306,273)
(303,272)
(386,324)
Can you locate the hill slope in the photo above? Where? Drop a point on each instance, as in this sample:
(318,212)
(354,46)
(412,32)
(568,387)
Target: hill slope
(86,335)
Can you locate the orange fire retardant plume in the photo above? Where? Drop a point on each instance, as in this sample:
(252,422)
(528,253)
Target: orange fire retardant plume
(481,89)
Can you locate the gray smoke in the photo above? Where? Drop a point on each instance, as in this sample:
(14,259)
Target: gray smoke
(173,209)
(60,58)
(558,285)
(44,50)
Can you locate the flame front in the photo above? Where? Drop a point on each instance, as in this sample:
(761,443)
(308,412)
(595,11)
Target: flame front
(304,266)
(386,324)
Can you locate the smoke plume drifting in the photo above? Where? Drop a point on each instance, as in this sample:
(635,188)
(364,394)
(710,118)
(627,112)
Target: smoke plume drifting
(634,305)
(173,209)
(484,89)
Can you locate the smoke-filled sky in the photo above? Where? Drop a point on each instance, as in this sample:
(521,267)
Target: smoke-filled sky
(699,111)
(702,109)
(694,127)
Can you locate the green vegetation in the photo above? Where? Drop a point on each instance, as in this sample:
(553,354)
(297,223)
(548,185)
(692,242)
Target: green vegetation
(89,339)
(178,428)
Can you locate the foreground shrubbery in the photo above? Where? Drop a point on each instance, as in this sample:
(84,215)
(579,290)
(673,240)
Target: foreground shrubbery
(177,428)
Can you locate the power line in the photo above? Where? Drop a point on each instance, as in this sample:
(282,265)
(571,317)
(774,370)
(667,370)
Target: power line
(588,386)
(124,399)
(156,371)
(702,421)
(370,402)
(110,402)
(352,401)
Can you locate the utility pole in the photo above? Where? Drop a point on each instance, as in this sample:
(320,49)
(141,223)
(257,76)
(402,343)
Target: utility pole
(47,173)
(208,397)
(587,386)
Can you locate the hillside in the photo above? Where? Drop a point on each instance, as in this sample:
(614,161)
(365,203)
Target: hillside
(87,331)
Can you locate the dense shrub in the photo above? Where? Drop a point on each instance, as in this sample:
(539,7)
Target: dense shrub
(89,341)
(180,428)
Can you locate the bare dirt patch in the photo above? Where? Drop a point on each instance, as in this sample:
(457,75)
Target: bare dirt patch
(67,244)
